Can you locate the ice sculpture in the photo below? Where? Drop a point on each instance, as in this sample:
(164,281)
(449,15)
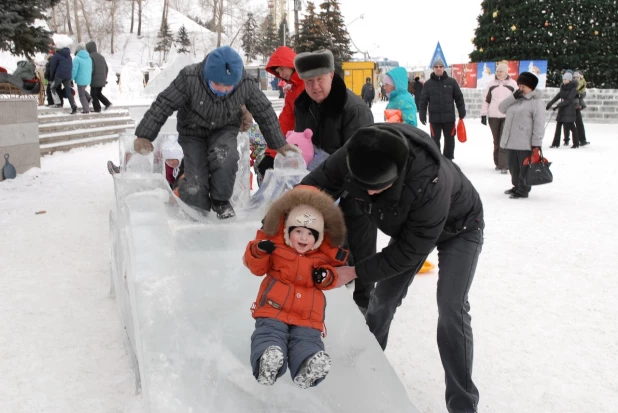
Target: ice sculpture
(131,81)
(185,295)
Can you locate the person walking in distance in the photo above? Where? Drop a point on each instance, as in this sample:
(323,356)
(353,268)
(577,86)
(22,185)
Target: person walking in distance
(99,78)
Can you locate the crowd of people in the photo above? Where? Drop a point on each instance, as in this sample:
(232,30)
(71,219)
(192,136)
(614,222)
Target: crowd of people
(389,176)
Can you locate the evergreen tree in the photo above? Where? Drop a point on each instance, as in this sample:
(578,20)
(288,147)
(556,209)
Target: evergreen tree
(283,35)
(330,15)
(250,38)
(166,39)
(18,34)
(183,40)
(312,34)
(268,38)
(569,34)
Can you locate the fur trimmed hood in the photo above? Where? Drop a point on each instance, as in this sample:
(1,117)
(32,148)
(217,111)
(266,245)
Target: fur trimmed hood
(334,224)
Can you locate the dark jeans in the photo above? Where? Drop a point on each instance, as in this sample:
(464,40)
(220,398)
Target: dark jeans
(210,166)
(581,130)
(567,125)
(516,160)
(97,98)
(369,102)
(458,257)
(48,93)
(496,125)
(296,343)
(361,240)
(448,129)
(57,92)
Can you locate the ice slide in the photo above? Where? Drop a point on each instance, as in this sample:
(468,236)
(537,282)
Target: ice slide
(185,298)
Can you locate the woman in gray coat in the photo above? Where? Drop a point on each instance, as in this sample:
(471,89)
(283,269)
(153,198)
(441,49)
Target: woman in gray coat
(523,129)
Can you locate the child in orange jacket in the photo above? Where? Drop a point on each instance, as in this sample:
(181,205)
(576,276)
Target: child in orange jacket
(297,249)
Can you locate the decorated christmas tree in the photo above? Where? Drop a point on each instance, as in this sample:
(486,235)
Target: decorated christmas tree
(570,34)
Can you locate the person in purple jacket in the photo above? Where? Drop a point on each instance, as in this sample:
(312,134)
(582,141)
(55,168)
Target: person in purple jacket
(497,90)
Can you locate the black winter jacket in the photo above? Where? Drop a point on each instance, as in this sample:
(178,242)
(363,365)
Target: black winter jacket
(99,66)
(334,120)
(61,65)
(431,202)
(566,108)
(200,111)
(439,93)
(368,92)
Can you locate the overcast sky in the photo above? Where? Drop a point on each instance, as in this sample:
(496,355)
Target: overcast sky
(408,31)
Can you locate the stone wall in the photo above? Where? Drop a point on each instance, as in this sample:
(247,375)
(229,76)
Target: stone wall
(19,133)
(602,104)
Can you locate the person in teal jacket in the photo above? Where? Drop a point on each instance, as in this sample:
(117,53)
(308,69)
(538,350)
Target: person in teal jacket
(396,86)
(82,75)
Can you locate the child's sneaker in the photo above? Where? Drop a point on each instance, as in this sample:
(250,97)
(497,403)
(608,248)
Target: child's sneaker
(270,363)
(223,209)
(112,169)
(313,369)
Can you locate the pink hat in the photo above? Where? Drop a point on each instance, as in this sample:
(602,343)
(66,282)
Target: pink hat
(388,80)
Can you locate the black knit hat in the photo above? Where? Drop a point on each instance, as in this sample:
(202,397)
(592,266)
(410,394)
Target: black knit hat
(312,64)
(376,156)
(528,79)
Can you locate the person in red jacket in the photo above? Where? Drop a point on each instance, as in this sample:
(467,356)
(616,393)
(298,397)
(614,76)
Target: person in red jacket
(297,249)
(281,64)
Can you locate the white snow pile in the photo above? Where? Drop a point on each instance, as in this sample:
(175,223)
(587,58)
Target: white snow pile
(62,40)
(131,81)
(167,75)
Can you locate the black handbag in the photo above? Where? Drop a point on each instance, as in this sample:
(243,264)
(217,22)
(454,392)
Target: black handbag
(537,173)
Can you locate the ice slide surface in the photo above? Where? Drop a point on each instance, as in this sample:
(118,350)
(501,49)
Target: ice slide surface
(185,298)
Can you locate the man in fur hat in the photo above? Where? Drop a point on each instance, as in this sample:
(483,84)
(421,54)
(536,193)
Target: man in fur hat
(209,97)
(298,250)
(333,112)
(423,201)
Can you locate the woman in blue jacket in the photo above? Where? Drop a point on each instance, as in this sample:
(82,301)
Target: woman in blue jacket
(82,75)
(396,87)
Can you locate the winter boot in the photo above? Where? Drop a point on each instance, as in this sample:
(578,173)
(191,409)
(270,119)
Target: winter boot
(270,363)
(504,171)
(74,110)
(112,169)
(223,209)
(510,191)
(312,370)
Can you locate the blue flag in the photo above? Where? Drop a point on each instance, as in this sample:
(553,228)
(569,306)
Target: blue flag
(436,54)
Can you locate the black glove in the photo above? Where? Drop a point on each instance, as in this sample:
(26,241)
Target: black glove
(518,94)
(423,119)
(548,107)
(484,120)
(554,108)
(319,275)
(266,246)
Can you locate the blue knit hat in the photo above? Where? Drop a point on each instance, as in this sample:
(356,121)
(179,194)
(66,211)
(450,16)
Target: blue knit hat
(223,66)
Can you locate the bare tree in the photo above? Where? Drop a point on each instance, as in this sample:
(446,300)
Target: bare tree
(77,26)
(132,15)
(69,16)
(81,3)
(139,18)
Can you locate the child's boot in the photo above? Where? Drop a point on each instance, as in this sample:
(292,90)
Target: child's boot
(312,370)
(270,363)
(223,209)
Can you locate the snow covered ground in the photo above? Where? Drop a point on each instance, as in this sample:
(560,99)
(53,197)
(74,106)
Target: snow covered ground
(546,328)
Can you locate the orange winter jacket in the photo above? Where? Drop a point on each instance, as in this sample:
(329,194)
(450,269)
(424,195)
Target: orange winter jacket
(284,56)
(288,292)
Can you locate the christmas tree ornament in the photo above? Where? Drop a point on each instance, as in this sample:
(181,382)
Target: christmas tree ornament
(495,14)
(513,27)
(596,33)
(481,50)
(570,27)
(546,23)
(493,38)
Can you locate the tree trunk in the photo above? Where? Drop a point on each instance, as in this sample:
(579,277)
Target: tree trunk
(113,19)
(81,3)
(69,16)
(132,15)
(54,24)
(163,16)
(139,18)
(77,26)
(220,23)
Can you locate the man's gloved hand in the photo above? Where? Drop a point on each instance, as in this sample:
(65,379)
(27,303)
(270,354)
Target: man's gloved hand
(319,275)
(288,148)
(143,146)
(518,94)
(554,108)
(423,119)
(266,246)
(484,120)
(548,107)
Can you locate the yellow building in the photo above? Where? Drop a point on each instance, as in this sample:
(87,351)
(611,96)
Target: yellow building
(355,73)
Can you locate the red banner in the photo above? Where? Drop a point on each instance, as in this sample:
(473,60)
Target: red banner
(465,74)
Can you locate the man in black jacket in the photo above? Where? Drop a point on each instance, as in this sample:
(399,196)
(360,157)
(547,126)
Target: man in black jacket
(368,92)
(209,97)
(334,113)
(439,92)
(99,78)
(423,201)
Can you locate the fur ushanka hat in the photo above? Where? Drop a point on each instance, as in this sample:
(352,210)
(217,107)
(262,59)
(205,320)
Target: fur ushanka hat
(306,206)
(312,64)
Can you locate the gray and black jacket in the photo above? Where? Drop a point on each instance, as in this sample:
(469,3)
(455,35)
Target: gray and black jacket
(99,66)
(566,108)
(438,94)
(430,202)
(200,111)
